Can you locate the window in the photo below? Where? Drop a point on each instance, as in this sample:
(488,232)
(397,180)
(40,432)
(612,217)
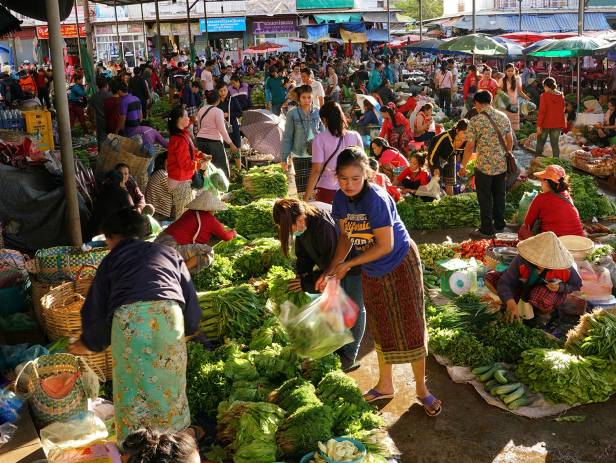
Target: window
(380,3)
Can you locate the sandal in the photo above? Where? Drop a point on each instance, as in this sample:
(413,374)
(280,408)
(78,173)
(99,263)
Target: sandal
(373,395)
(431,405)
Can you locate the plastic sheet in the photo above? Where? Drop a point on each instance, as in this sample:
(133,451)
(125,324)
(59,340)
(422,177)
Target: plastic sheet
(11,356)
(80,431)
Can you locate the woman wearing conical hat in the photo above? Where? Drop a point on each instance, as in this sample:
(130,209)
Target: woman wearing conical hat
(542,274)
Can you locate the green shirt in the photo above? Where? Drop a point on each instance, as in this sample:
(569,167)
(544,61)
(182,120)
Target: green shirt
(277,90)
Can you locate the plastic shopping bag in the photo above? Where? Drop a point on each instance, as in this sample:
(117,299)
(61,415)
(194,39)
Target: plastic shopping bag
(321,327)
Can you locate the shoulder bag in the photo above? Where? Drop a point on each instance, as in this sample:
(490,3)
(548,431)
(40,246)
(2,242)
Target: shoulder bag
(512,166)
(329,159)
(198,181)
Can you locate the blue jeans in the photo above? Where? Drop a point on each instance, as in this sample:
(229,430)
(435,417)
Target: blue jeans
(352,286)
(276,108)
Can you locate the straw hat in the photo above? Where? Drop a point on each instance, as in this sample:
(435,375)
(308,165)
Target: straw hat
(206,201)
(546,250)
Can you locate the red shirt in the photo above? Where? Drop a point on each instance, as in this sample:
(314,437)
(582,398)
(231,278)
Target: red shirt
(388,127)
(421,175)
(469,82)
(111,106)
(187,230)
(551,111)
(556,215)
(410,105)
(491,85)
(180,166)
(383,181)
(392,156)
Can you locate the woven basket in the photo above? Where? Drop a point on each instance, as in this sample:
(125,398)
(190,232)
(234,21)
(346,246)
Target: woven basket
(39,289)
(64,262)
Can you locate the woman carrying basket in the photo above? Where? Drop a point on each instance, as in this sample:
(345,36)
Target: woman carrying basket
(142,302)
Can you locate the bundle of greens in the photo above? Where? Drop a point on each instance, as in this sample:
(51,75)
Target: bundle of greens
(509,340)
(220,274)
(291,399)
(278,279)
(270,332)
(276,363)
(230,312)
(566,378)
(515,194)
(255,220)
(337,385)
(239,197)
(431,253)
(460,347)
(599,253)
(240,368)
(468,313)
(447,212)
(206,384)
(229,248)
(250,430)
(229,216)
(250,391)
(315,370)
(258,256)
(266,182)
(594,335)
(303,430)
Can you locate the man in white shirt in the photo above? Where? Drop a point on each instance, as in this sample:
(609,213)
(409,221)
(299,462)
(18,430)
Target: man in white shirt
(228,74)
(318,92)
(296,75)
(207,79)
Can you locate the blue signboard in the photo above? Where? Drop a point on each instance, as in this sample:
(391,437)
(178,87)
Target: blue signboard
(223,24)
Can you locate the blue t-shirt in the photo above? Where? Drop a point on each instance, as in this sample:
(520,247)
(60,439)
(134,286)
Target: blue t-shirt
(374,208)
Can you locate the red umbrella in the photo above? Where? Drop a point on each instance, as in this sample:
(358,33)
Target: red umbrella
(528,38)
(403,41)
(264,47)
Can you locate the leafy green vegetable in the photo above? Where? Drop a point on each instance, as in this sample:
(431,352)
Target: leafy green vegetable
(219,274)
(270,332)
(266,182)
(447,212)
(566,378)
(278,287)
(229,248)
(460,347)
(594,335)
(290,399)
(304,429)
(258,256)
(515,194)
(431,253)
(255,219)
(206,384)
(600,252)
(315,370)
(571,419)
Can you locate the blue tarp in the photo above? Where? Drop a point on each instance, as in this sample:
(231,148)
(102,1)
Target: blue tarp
(314,33)
(559,22)
(377,35)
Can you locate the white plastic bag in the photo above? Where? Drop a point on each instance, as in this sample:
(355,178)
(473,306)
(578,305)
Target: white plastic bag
(321,327)
(432,189)
(80,431)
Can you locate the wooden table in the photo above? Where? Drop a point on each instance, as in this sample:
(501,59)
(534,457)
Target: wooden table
(25,446)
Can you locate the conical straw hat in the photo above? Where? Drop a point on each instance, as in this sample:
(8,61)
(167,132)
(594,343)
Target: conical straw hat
(206,201)
(545,250)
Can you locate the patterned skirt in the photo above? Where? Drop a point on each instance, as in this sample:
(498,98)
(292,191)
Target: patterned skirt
(181,195)
(203,252)
(395,311)
(149,368)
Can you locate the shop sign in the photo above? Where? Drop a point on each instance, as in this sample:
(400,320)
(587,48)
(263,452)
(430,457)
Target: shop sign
(68,31)
(274,26)
(223,24)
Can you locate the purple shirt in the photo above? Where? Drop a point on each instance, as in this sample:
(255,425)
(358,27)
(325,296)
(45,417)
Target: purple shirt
(323,147)
(130,108)
(149,135)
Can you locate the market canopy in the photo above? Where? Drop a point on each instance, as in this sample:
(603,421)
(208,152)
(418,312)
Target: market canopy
(572,47)
(36,9)
(474,44)
(8,22)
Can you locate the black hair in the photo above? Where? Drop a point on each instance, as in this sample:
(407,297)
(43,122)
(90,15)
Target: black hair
(236,78)
(195,83)
(461,125)
(392,114)
(472,67)
(112,178)
(175,114)
(101,81)
(381,143)
(561,186)
(137,71)
(374,164)
(427,107)
(506,80)
(306,71)
(550,83)
(483,97)
(122,86)
(159,161)
(125,223)
(120,166)
(353,155)
(612,119)
(334,118)
(220,84)
(148,446)
(421,160)
(212,97)
(303,89)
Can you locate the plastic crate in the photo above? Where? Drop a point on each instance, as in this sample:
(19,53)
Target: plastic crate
(39,122)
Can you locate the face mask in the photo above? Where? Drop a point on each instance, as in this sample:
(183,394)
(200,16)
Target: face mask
(298,233)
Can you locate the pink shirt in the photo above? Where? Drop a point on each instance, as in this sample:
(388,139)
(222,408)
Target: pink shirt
(212,126)
(323,147)
(208,80)
(394,158)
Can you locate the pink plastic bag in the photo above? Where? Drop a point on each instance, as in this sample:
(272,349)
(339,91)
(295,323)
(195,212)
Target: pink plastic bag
(336,302)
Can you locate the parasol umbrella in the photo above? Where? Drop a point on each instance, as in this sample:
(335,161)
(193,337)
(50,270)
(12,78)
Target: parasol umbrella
(537,45)
(426,46)
(513,49)
(361,97)
(264,132)
(572,47)
(264,47)
(474,44)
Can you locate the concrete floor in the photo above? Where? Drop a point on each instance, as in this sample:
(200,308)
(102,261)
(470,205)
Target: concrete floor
(470,430)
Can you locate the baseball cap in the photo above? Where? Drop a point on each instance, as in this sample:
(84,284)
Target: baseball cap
(552,172)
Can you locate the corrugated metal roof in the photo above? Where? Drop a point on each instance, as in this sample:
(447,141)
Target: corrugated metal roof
(558,22)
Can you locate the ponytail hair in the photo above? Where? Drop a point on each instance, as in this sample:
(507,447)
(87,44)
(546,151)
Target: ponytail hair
(286,212)
(560,187)
(148,446)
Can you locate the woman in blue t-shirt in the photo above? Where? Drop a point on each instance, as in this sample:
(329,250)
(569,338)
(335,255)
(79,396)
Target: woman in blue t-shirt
(392,280)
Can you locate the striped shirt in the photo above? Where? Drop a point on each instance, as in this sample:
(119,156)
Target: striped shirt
(157,193)
(130,108)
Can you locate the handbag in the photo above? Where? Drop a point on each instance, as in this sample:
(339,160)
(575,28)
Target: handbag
(329,159)
(512,166)
(198,180)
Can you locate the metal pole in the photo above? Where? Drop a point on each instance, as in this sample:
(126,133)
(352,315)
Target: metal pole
(520,14)
(64,124)
(78,35)
(89,34)
(120,49)
(207,41)
(388,25)
(190,47)
(473,17)
(581,4)
(145,36)
(158,41)
(420,20)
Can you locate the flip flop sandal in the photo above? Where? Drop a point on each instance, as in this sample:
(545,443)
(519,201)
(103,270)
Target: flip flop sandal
(373,395)
(428,404)
(352,367)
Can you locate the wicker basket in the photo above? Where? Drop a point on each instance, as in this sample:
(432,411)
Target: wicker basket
(39,289)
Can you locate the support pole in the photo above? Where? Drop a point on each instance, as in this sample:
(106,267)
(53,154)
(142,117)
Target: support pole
(207,41)
(120,49)
(145,36)
(420,20)
(190,46)
(581,4)
(64,124)
(474,14)
(520,15)
(158,41)
(78,35)
(89,34)
(388,26)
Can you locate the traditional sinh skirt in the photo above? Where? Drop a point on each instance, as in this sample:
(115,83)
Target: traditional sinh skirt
(395,311)
(149,368)
(204,253)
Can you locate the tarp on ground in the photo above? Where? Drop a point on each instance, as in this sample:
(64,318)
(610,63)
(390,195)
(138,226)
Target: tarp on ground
(33,209)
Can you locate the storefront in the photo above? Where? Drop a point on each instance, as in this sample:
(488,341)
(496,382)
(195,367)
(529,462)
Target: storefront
(224,34)
(131,39)
(22,43)
(70,35)
(278,31)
